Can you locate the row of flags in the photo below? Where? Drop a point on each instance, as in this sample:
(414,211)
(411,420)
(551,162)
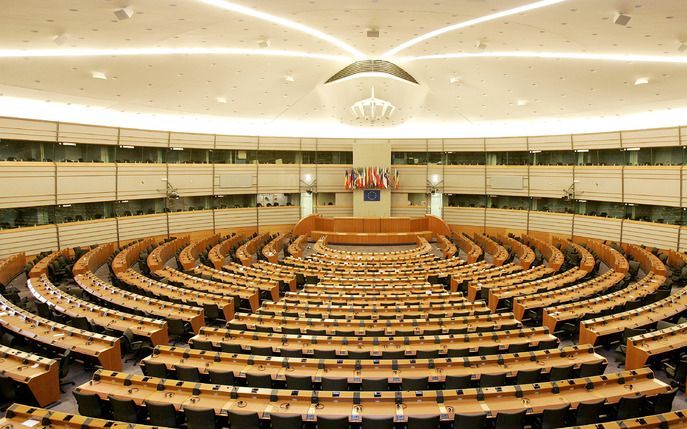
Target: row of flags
(371,178)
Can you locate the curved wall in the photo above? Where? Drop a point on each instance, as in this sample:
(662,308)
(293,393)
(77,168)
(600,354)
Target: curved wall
(27,184)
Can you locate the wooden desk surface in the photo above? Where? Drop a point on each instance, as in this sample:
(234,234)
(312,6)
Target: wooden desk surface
(101,347)
(250,294)
(361,300)
(354,370)
(672,420)
(264,283)
(525,289)
(486,281)
(20,416)
(353,405)
(11,267)
(156,307)
(576,310)
(227,304)
(471,323)
(642,347)
(375,345)
(593,329)
(153,329)
(573,293)
(376,311)
(40,374)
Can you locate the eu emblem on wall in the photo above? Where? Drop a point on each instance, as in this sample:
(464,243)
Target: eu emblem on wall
(372,195)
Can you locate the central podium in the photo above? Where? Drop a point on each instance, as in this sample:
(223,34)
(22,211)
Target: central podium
(371,230)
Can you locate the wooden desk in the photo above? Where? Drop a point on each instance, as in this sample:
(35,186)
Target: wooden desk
(155,307)
(498,253)
(227,304)
(382,290)
(354,405)
(497,293)
(385,238)
(374,345)
(671,420)
(374,312)
(568,294)
(524,254)
(593,329)
(472,250)
(188,257)
(249,279)
(218,254)
(297,247)
(554,257)
(20,416)
(576,310)
(165,251)
(41,266)
(354,370)
(359,327)
(128,256)
(106,350)
(39,374)
(641,348)
(250,294)
(254,272)
(246,252)
(11,268)
(370,300)
(498,278)
(152,329)
(272,249)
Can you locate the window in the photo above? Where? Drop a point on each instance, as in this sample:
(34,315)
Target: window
(508,158)
(553,205)
(77,152)
(510,203)
(408,158)
(139,154)
(139,207)
(553,157)
(234,156)
(234,201)
(278,200)
(277,157)
(189,156)
(465,158)
(461,200)
(81,212)
(26,216)
(21,150)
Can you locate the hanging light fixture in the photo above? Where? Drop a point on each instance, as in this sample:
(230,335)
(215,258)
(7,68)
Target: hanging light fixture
(373,109)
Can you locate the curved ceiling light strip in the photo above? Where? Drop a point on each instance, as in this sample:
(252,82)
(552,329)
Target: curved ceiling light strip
(233,7)
(555,56)
(125,52)
(469,23)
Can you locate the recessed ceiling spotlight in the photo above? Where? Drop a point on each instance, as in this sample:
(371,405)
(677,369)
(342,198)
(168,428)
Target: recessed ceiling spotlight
(621,19)
(522,103)
(124,13)
(373,33)
(60,39)
(480,44)
(454,80)
(222,100)
(682,47)
(642,81)
(289,77)
(264,43)
(98,75)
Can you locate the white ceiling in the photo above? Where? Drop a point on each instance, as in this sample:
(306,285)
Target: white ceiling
(180,91)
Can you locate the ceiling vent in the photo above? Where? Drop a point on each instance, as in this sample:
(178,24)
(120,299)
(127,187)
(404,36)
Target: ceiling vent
(372,66)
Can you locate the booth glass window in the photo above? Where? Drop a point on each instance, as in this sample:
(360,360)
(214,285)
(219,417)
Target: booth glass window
(465,158)
(277,200)
(408,158)
(465,200)
(65,213)
(26,217)
(601,209)
(141,154)
(508,158)
(658,214)
(655,156)
(603,157)
(553,157)
(139,207)
(234,201)
(277,157)
(508,203)
(77,152)
(26,150)
(553,205)
(234,156)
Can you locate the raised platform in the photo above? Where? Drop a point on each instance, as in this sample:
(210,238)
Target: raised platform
(385,238)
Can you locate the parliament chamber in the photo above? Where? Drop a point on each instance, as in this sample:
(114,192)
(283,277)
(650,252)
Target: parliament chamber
(378,214)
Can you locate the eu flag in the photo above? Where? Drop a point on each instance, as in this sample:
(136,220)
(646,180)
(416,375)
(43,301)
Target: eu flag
(372,195)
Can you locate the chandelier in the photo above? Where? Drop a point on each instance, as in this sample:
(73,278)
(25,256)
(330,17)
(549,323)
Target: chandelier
(373,109)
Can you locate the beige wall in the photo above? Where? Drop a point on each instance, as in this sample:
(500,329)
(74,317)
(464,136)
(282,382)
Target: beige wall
(370,154)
